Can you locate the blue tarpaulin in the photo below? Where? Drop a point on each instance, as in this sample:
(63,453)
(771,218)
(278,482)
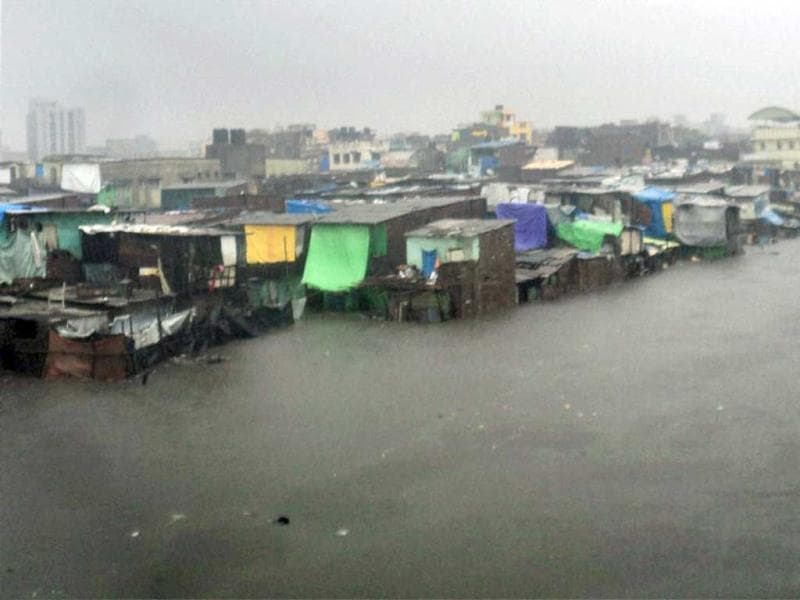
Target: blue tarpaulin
(39,171)
(770,216)
(428,262)
(16,207)
(295,205)
(655,198)
(530,224)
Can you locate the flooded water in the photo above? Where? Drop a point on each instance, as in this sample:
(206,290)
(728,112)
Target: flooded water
(641,441)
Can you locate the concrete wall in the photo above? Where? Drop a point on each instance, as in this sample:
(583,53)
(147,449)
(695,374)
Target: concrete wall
(168,170)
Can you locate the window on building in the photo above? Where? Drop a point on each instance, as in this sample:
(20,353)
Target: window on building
(763,145)
(791,145)
(337,159)
(780,145)
(375,155)
(356,157)
(346,157)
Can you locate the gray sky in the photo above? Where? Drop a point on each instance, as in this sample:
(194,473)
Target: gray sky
(175,69)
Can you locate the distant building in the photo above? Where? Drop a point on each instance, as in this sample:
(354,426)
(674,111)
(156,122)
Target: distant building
(507,119)
(292,142)
(611,144)
(140,146)
(355,155)
(237,157)
(350,134)
(52,129)
(775,139)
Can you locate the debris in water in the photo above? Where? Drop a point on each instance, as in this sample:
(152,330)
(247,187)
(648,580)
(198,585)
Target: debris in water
(175,517)
(342,532)
(580,415)
(720,407)
(695,259)
(214,359)
(481,427)
(567,406)
(135,533)
(281,520)
(247,513)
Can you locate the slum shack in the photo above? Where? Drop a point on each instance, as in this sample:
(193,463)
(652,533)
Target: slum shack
(181,196)
(600,253)
(38,337)
(360,240)
(530,224)
(169,289)
(454,268)
(597,201)
(275,247)
(707,226)
(752,200)
(653,211)
(44,242)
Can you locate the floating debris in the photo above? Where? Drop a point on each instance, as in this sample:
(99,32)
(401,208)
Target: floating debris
(135,533)
(342,532)
(282,521)
(567,406)
(720,407)
(175,517)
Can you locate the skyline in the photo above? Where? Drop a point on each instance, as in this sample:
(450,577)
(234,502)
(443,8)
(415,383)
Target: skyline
(160,70)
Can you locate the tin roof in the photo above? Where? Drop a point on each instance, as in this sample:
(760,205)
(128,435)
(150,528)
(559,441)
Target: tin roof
(746,191)
(271,218)
(144,229)
(205,185)
(459,227)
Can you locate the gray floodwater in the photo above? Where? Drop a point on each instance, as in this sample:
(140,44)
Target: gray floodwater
(640,441)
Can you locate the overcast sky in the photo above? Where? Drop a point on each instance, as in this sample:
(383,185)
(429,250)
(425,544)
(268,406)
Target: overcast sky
(175,69)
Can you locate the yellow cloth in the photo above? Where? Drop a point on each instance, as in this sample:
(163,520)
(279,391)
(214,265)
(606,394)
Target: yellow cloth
(270,244)
(666,214)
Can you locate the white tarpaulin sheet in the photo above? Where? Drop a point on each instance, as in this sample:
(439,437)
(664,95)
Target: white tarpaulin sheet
(83,327)
(81,177)
(228,247)
(5,176)
(149,334)
(701,225)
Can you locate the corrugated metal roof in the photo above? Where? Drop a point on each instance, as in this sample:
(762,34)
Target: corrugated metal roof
(205,185)
(270,218)
(547,165)
(459,227)
(746,191)
(372,214)
(707,187)
(144,229)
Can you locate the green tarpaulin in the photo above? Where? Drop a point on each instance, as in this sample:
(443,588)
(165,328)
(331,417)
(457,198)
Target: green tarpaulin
(337,257)
(378,241)
(587,235)
(19,257)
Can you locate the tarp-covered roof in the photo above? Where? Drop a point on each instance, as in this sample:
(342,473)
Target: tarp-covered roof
(654,194)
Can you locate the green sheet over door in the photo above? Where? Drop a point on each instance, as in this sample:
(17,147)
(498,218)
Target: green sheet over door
(337,257)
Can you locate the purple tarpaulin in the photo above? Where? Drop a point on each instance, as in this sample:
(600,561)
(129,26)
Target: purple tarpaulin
(530,227)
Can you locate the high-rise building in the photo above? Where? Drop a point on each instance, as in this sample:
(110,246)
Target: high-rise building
(54,130)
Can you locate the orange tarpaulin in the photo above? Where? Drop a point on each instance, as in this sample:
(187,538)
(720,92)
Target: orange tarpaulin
(270,244)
